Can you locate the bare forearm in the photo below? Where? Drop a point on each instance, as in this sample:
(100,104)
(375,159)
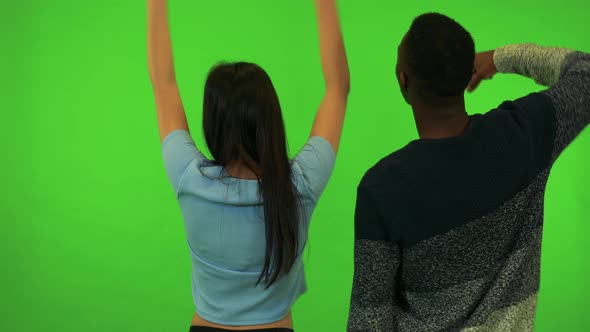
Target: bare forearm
(167,96)
(330,116)
(160,60)
(332,52)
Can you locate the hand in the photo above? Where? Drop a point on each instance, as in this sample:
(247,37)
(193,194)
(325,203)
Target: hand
(483,69)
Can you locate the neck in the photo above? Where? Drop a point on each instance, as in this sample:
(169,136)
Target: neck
(444,121)
(240,171)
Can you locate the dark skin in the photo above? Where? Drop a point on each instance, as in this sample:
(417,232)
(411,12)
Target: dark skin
(435,117)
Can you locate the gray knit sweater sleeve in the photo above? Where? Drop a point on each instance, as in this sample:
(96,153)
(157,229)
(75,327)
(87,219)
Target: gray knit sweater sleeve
(567,74)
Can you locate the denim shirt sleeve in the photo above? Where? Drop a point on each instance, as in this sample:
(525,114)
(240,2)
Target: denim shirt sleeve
(179,152)
(316,161)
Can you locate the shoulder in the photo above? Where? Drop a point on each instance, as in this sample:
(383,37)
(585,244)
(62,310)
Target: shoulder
(534,100)
(535,106)
(526,125)
(389,170)
(381,198)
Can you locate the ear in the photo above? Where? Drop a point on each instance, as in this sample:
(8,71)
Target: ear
(403,81)
(403,86)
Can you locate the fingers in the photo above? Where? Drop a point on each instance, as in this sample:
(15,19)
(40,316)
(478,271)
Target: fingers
(475,81)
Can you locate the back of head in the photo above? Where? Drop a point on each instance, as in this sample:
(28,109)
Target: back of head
(243,124)
(242,117)
(438,54)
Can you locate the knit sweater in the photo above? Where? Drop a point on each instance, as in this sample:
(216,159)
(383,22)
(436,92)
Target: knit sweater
(448,231)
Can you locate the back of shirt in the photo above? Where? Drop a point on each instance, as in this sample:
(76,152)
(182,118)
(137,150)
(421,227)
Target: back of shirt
(448,231)
(225,230)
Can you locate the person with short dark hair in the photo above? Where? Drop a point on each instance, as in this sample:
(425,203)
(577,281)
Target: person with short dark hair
(448,229)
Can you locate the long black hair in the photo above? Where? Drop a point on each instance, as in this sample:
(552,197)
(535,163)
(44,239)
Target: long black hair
(243,123)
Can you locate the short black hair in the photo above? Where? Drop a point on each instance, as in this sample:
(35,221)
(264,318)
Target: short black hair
(439,54)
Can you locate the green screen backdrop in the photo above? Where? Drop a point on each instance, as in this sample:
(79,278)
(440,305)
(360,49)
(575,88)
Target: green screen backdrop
(91,237)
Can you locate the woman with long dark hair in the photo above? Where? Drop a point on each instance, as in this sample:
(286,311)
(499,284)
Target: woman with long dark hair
(247,211)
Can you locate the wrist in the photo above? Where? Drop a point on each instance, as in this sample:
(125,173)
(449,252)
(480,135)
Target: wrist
(502,58)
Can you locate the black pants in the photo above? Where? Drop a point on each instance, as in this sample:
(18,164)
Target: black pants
(214,329)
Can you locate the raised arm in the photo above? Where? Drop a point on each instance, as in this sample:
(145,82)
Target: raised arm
(566,72)
(330,116)
(161,68)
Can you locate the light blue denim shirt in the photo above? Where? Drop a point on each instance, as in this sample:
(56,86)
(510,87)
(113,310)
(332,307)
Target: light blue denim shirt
(224,222)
